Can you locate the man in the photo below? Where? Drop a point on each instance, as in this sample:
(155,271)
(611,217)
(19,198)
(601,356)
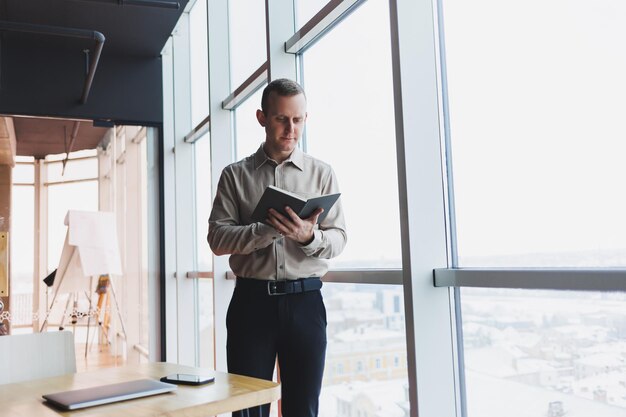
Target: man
(277,308)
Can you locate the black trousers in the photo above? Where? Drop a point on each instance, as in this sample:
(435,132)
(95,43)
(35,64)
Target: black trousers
(292,327)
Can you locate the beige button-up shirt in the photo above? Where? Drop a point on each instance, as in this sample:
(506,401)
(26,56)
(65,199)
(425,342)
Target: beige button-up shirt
(258,250)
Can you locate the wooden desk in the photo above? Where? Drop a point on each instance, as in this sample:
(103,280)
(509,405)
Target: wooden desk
(228,393)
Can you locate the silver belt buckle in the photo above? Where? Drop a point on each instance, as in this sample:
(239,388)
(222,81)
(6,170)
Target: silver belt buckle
(272,288)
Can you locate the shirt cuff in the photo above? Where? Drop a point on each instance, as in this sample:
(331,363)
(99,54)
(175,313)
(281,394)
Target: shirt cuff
(268,231)
(312,247)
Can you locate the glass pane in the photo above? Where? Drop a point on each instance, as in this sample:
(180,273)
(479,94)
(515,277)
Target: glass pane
(152,221)
(199,57)
(341,97)
(544,353)
(306,9)
(22,254)
(205,323)
(366,368)
(23,173)
(249,134)
(248,50)
(202,153)
(74,170)
(21,158)
(536,131)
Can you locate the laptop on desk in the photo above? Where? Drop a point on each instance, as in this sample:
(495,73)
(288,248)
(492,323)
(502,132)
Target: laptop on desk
(105,394)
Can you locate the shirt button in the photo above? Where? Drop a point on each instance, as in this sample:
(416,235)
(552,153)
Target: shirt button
(281,266)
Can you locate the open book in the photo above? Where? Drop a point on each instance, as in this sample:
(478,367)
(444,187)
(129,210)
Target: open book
(277,198)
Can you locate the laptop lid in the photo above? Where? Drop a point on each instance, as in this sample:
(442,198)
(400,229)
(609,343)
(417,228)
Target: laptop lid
(105,394)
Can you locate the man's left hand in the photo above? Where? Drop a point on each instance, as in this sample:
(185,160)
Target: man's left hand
(293,227)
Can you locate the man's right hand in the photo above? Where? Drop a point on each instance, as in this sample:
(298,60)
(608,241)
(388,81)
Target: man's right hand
(293,227)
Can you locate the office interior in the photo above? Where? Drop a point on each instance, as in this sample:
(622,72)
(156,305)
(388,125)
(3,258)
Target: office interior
(479,152)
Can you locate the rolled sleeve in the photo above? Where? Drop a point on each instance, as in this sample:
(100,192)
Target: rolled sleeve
(226,236)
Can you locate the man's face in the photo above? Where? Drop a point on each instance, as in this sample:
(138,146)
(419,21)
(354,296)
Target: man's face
(283,120)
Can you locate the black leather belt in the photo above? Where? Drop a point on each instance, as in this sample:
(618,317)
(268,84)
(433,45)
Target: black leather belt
(282,287)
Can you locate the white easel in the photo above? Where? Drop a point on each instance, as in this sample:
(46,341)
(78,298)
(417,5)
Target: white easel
(90,249)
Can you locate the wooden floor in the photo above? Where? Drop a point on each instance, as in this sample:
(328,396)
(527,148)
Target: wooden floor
(97,357)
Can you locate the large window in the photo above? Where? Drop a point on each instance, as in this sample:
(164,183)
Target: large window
(204,257)
(203,260)
(202,159)
(22,243)
(249,134)
(78,169)
(199,62)
(366,366)
(306,9)
(537,141)
(351,126)
(248,50)
(366,353)
(536,131)
(544,353)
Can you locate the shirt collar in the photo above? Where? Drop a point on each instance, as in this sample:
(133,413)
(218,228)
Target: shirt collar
(296,158)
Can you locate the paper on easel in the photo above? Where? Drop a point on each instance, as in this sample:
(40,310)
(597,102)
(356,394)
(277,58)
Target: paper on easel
(70,277)
(94,233)
(90,249)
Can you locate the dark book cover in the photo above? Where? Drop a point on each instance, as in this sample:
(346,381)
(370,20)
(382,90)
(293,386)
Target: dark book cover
(276,198)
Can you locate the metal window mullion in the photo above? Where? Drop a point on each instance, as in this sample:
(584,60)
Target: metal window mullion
(119,208)
(365,276)
(429,310)
(280,25)
(53,183)
(184,196)
(455,295)
(41,244)
(169,345)
(257,80)
(356,276)
(133,266)
(142,350)
(80,158)
(154,229)
(573,279)
(324,20)
(221,155)
(199,274)
(199,131)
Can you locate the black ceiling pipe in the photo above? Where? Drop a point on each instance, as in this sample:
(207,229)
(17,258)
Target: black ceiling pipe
(69,32)
(92,67)
(147,3)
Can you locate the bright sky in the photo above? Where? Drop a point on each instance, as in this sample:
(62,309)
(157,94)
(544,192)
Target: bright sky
(536,107)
